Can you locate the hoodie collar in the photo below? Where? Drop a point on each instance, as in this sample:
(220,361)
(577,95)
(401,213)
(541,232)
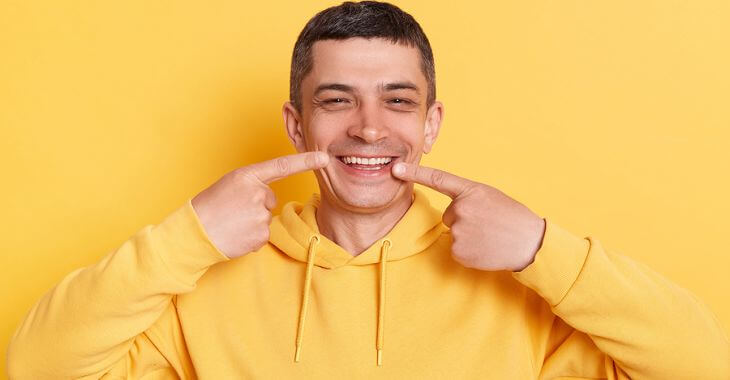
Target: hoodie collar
(292,231)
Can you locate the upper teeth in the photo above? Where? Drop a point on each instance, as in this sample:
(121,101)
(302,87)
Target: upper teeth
(366,161)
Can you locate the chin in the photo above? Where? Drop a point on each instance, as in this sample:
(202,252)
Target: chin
(364,198)
(371,200)
(362,186)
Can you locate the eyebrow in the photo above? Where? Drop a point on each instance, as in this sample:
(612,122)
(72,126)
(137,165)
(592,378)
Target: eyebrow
(406,85)
(401,86)
(333,86)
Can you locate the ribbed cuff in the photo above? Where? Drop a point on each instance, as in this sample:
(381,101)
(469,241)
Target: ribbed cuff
(184,246)
(557,263)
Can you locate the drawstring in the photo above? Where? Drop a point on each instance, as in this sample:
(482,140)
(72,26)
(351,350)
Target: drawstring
(313,241)
(305,297)
(381,303)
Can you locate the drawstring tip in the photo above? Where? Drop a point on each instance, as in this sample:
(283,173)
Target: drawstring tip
(296,354)
(380,357)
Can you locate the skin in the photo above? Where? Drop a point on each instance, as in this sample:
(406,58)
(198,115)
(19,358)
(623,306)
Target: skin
(367,98)
(490,230)
(242,201)
(363,110)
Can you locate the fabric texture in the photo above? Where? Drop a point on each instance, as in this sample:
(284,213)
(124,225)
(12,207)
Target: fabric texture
(168,304)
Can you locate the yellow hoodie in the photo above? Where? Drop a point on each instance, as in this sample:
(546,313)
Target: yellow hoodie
(167,304)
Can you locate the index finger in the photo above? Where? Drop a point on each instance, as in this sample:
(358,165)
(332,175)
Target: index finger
(278,168)
(436,179)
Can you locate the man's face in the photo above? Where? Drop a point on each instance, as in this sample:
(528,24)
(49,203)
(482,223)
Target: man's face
(364,103)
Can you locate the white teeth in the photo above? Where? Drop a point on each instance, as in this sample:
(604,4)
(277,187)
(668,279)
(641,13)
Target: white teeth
(366,161)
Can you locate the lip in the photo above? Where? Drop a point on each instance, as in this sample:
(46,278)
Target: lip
(357,170)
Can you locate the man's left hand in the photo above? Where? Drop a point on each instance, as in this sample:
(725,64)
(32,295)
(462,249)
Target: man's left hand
(490,230)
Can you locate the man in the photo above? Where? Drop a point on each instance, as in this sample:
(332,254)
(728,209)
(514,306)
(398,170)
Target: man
(486,289)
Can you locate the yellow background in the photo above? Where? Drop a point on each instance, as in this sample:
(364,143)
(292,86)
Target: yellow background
(611,117)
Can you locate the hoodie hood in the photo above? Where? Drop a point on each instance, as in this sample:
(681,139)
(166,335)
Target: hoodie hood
(295,232)
(292,230)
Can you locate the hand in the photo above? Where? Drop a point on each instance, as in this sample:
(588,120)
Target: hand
(236,210)
(490,230)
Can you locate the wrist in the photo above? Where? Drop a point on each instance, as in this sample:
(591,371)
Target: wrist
(540,235)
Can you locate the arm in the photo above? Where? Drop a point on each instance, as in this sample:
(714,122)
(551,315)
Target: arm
(647,326)
(98,319)
(95,319)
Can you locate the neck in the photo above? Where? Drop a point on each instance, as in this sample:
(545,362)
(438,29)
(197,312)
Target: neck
(356,231)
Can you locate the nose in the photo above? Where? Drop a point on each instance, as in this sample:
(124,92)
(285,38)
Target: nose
(368,124)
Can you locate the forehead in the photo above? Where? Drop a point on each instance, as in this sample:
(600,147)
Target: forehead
(365,62)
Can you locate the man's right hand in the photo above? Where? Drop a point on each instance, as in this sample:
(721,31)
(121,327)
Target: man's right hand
(236,210)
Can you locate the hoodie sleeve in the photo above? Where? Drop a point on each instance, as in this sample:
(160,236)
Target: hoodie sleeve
(645,326)
(118,316)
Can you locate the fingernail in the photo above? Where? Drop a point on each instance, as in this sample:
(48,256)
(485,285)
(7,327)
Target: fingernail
(399,169)
(322,158)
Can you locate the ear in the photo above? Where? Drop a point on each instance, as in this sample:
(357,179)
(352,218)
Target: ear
(434,116)
(293,124)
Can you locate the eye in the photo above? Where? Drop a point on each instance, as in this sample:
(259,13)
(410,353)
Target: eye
(400,101)
(336,103)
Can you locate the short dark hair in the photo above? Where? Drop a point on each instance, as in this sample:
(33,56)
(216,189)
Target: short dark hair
(368,19)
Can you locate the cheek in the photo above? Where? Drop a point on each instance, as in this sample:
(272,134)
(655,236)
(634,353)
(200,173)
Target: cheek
(319,127)
(320,133)
(412,134)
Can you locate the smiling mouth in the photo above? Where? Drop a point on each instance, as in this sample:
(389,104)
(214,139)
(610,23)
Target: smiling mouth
(367,163)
